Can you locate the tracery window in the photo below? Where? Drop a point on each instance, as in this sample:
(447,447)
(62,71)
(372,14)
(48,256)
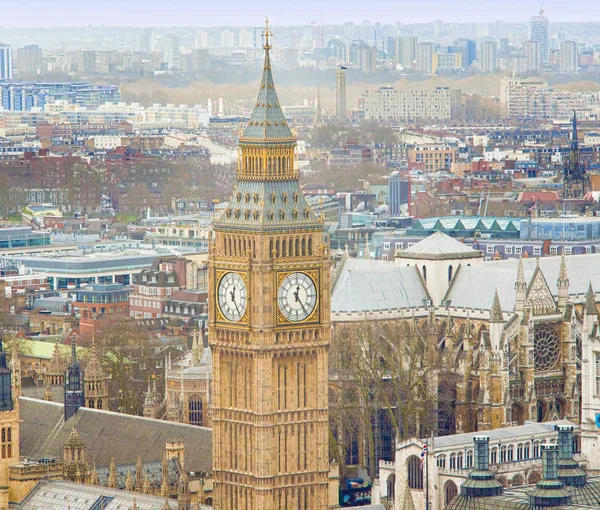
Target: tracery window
(546,347)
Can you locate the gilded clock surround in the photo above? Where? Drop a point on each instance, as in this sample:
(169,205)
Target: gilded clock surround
(314,315)
(270,375)
(220,317)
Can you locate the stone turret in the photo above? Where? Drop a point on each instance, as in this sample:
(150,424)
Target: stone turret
(96,381)
(184,500)
(164,486)
(74,384)
(75,467)
(112,475)
(563,284)
(520,288)
(129,481)
(139,474)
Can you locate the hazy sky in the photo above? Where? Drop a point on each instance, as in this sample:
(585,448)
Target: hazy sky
(39,13)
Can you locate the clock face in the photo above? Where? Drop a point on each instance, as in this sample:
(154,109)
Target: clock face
(232,296)
(297,297)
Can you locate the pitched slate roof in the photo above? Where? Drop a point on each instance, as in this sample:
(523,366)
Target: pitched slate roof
(369,285)
(439,246)
(106,435)
(474,286)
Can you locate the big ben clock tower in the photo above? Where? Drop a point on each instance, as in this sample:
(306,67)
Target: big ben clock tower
(269,320)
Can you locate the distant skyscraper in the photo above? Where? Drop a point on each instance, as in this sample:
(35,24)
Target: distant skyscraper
(171,52)
(468,50)
(538,31)
(424,57)
(6,69)
(29,60)
(367,59)
(340,94)
(438,27)
(147,40)
(245,39)
(399,190)
(488,57)
(86,62)
(568,57)
(504,47)
(406,51)
(201,40)
(531,52)
(227,39)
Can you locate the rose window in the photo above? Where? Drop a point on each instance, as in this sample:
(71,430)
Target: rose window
(546,348)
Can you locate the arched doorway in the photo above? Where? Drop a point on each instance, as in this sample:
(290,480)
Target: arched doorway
(518,414)
(450,491)
(391,487)
(414,472)
(518,480)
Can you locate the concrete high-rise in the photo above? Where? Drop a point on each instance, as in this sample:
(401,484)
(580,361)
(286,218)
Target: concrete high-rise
(406,51)
(424,57)
(171,52)
(269,327)
(6,66)
(488,59)
(367,59)
(568,57)
(538,32)
(467,49)
(29,60)
(340,94)
(531,52)
(147,40)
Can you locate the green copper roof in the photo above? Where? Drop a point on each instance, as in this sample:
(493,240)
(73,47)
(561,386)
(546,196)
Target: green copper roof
(267,122)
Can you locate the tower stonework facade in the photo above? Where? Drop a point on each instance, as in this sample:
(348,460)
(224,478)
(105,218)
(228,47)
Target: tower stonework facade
(269,326)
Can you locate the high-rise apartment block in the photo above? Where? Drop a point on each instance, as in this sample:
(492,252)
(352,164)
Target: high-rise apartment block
(467,49)
(488,60)
(227,39)
(171,52)
(367,59)
(424,57)
(388,103)
(531,52)
(406,51)
(538,32)
(29,60)
(147,40)
(532,99)
(86,62)
(568,57)
(340,94)
(6,66)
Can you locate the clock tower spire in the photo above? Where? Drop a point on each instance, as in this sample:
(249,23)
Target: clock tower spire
(269,321)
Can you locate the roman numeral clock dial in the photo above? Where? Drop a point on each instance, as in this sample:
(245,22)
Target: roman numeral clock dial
(232,297)
(297,297)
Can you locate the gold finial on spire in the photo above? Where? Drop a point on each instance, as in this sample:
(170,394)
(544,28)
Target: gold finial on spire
(267,33)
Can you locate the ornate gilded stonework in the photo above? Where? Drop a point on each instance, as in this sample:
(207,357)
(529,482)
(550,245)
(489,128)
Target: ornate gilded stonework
(269,327)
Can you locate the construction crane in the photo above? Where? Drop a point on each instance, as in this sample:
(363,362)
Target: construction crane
(541,4)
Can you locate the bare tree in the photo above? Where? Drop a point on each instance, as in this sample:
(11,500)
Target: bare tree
(385,376)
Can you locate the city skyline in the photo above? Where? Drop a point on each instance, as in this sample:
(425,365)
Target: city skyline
(183,13)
